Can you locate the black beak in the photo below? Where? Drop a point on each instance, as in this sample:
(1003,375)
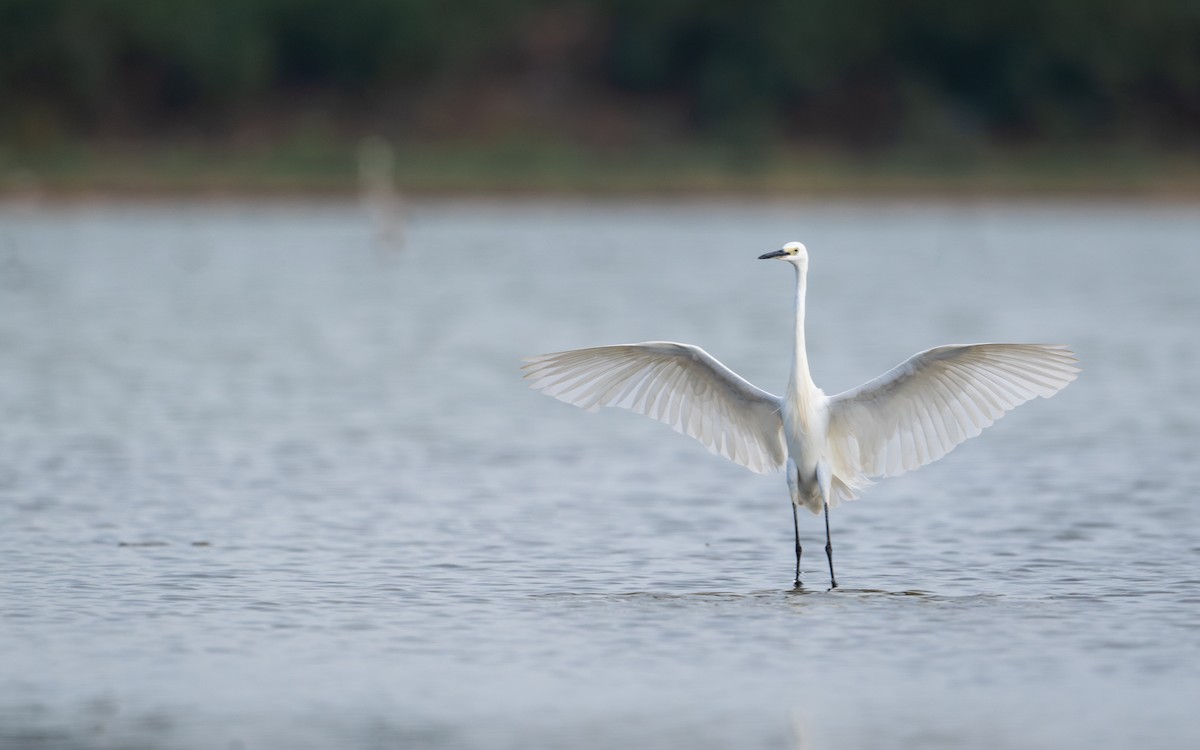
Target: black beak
(776,254)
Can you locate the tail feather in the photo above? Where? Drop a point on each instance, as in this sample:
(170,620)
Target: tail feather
(840,491)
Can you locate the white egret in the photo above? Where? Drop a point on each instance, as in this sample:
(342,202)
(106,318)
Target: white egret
(378,193)
(831,446)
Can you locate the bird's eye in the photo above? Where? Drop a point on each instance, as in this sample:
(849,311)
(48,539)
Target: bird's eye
(791,251)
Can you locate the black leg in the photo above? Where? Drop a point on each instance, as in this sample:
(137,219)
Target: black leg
(829,549)
(796,526)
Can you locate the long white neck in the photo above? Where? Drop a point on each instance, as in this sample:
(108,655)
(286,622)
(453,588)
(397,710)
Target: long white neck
(801,385)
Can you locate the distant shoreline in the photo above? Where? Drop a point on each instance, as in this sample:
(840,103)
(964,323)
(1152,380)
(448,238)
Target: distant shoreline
(528,169)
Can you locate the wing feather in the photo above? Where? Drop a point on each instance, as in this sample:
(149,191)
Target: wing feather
(681,385)
(920,410)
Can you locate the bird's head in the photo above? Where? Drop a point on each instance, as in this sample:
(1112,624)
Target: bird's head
(793,252)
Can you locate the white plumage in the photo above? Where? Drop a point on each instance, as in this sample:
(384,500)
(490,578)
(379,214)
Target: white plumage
(920,410)
(681,385)
(910,416)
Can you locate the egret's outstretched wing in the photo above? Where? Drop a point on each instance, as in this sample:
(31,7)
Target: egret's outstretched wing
(920,410)
(681,385)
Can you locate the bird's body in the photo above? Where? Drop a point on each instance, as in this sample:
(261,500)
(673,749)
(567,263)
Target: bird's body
(831,446)
(806,431)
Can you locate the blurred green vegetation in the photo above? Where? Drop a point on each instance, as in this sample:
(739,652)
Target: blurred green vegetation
(542,166)
(926,82)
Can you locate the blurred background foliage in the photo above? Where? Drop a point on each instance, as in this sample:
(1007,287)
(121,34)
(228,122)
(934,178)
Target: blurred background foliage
(863,76)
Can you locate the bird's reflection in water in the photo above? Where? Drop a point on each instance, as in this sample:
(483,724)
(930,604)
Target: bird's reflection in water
(763,595)
(841,592)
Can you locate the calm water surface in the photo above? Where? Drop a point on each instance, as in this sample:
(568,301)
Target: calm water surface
(265,483)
